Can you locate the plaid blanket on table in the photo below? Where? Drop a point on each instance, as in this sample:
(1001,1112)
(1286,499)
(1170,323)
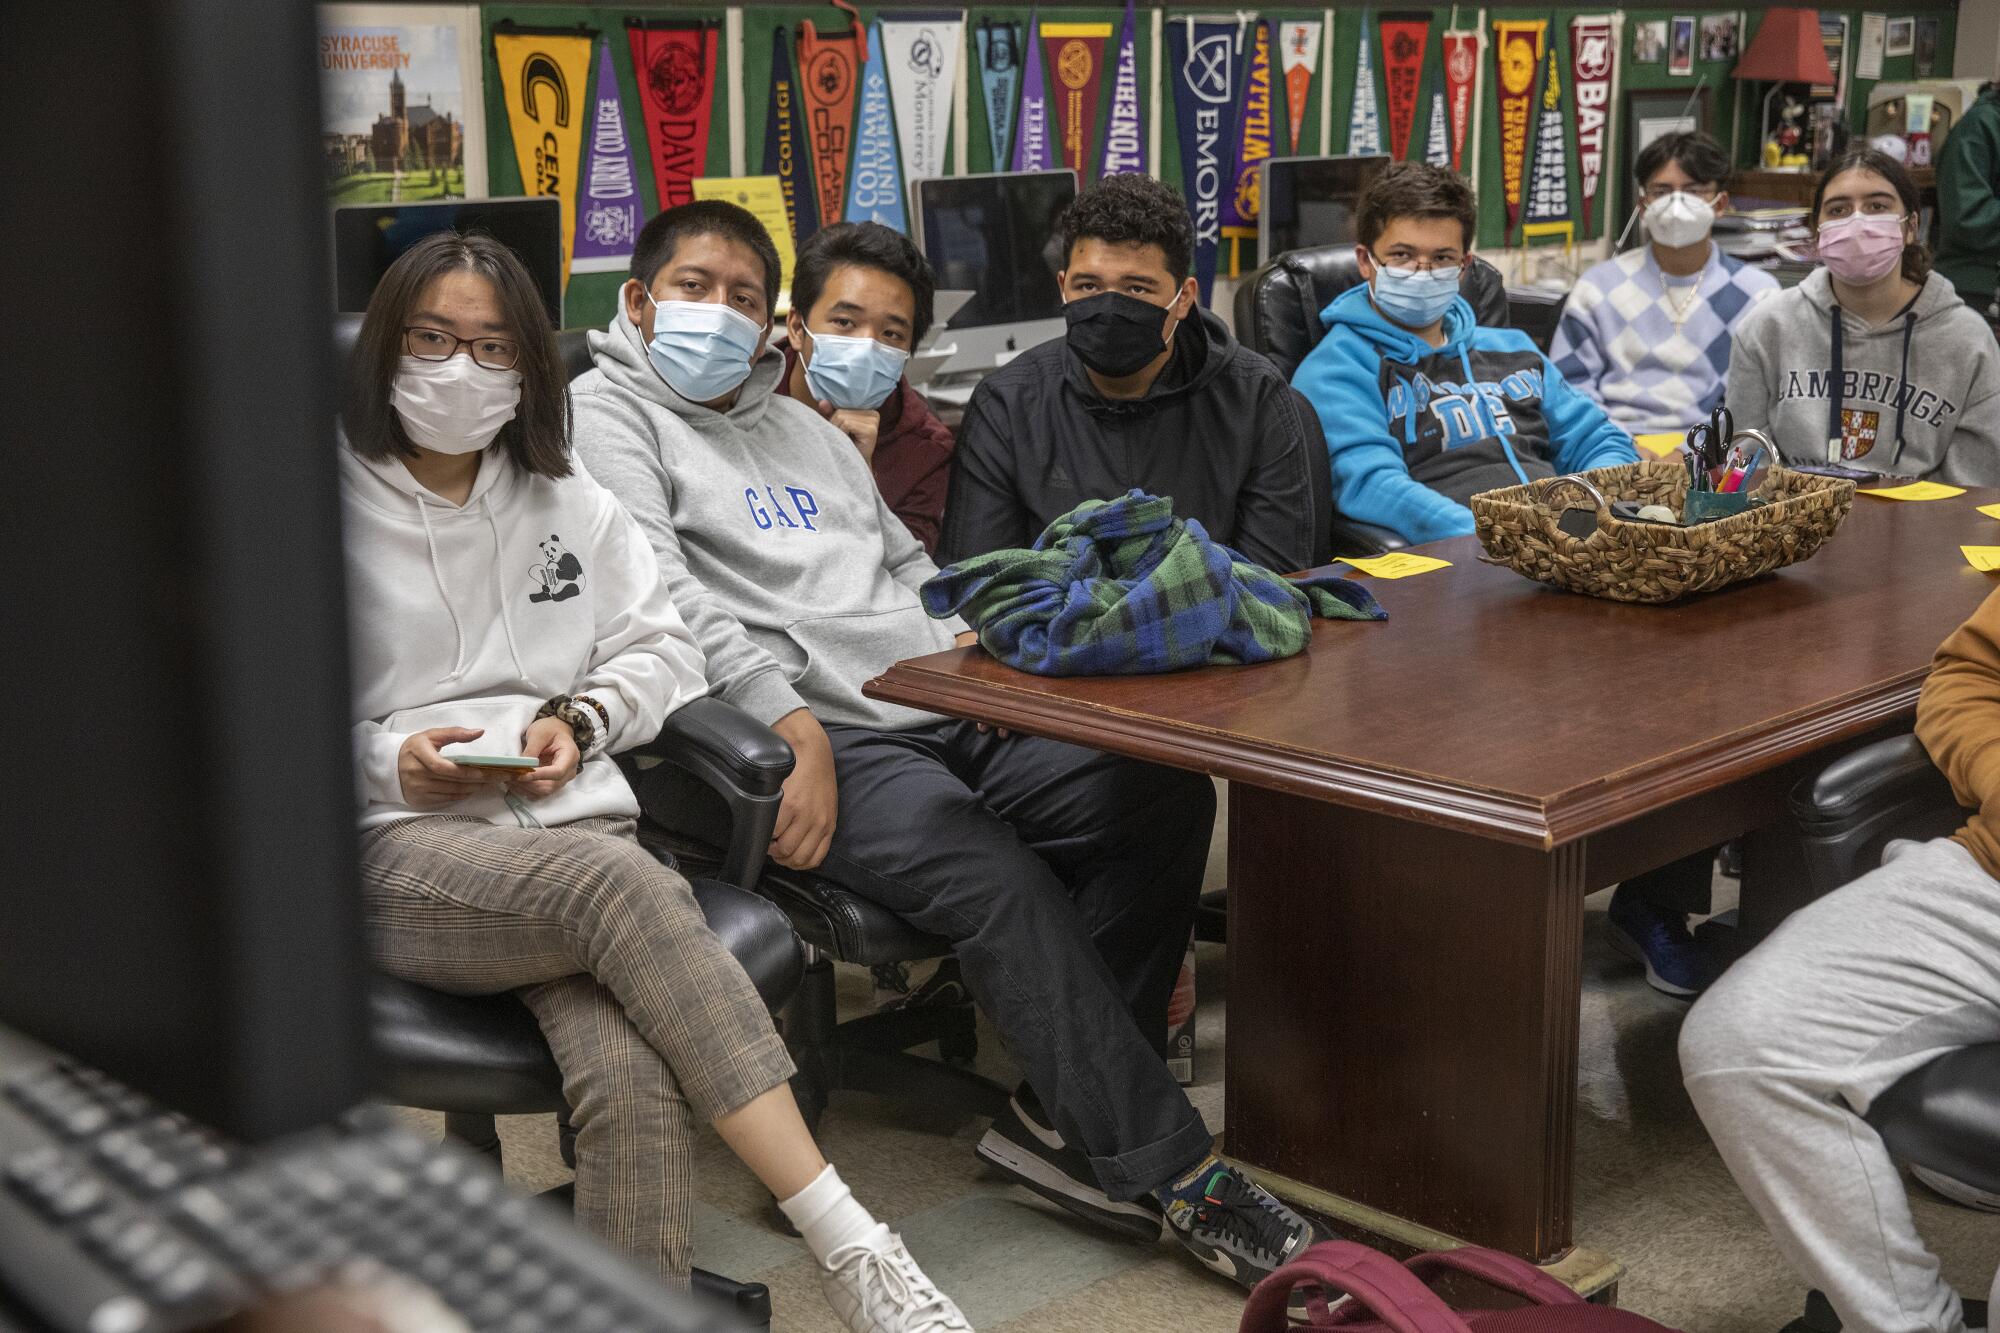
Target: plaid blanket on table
(1122,587)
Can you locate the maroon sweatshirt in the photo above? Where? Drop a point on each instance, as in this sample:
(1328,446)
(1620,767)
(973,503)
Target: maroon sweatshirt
(912,463)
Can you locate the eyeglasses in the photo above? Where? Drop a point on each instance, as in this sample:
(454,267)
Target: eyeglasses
(1399,258)
(437,345)
(1706,193)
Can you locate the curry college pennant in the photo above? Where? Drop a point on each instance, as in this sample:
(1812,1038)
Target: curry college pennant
(1201,55)
(1298,57)
(608,213)
(1125,132)
(1593,51)
(922,56)
(875,183)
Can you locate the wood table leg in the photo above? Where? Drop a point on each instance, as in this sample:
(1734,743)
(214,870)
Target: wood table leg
(1403,1013)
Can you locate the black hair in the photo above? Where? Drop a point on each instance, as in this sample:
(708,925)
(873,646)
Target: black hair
(864,245)
(1414,190)
(1916,259)
(1696,153)
(1132,210)
(659,238)
(538,437)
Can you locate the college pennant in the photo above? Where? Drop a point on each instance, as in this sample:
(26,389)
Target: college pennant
(674,63)
(1461,82)
(787,146)
(1125,131)
(875,184)
(922,51)
(827,74)
(1364,119)
(1075,53)
(1548,212)
(1298,57)
(608,213)
(1437,139)
(1034,150)
(1404,37)
(999,71)
(1201,57)
(1253,143)
(1517,50)
(543,78)
(1593,51)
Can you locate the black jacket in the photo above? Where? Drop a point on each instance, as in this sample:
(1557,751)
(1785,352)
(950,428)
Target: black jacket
(1220,433)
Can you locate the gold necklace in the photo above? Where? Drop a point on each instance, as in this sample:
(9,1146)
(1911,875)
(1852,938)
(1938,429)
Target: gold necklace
(1677,309)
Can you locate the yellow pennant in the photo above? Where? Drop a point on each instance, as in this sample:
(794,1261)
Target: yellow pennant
(546,82)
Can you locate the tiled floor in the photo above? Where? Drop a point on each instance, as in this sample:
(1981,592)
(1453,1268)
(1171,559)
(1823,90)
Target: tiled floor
(1650,1191)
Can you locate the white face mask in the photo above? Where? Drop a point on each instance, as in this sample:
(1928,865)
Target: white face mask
(454,406)
(1679,219)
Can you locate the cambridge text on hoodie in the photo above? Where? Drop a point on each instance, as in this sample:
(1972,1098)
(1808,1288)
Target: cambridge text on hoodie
(799,582)
(1414,431)
(1918,396)
(475,615)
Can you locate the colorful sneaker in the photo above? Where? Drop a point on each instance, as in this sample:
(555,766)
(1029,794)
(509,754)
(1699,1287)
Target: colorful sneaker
(1024,1147)
(1236,1227)
(1658,938)
(876,1287)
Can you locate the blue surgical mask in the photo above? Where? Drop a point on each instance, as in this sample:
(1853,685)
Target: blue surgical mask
(1415,299)
(853,372)
(701,349)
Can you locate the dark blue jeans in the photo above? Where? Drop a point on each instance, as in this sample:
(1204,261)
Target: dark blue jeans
(1067,882)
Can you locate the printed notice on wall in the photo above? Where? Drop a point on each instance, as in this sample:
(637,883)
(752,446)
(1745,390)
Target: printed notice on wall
(1874,35)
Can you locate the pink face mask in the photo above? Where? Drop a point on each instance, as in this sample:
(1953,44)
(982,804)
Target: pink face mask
(1862,248)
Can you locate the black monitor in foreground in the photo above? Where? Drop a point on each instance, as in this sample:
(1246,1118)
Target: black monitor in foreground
(177,891)
(995,236)
(367,238)
(1310,201)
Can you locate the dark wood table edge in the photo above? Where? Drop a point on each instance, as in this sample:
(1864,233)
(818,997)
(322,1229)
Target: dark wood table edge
(1500,816)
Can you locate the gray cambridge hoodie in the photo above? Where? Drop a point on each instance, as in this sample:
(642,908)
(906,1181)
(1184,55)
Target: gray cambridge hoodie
(797,580)
(1933,371)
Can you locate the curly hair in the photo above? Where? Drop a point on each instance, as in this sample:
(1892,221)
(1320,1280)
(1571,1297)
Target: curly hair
(1132,210)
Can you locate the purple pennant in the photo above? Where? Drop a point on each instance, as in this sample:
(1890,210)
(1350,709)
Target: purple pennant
(1034,146)
(607,210)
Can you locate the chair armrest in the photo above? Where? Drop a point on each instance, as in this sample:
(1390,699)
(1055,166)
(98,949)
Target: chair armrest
(1353,537)
(743,762)
(1876,776)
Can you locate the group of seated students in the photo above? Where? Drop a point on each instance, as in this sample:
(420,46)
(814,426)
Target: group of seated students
(551,568)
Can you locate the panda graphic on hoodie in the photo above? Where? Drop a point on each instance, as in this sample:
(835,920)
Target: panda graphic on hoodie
(1413,431)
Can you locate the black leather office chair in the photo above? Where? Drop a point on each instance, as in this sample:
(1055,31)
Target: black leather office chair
(1278,314)
(1944,1118)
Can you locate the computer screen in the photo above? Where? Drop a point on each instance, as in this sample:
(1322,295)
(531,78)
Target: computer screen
(367,238)
(1310,201)
(995,236)
(180,905)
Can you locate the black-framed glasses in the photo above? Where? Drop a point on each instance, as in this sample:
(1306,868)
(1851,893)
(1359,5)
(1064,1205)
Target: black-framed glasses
(437,345)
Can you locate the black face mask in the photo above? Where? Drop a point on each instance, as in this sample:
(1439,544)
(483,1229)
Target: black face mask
(1115,334)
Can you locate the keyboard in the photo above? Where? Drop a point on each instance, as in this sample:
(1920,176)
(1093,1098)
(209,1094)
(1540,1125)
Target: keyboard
(117,1216)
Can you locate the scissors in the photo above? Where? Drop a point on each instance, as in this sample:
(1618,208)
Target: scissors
(1708,448)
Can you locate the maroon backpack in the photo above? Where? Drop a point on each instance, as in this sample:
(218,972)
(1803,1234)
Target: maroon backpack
(1391,1298)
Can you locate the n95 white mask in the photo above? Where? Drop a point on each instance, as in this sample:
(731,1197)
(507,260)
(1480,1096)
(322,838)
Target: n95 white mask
(1679,219)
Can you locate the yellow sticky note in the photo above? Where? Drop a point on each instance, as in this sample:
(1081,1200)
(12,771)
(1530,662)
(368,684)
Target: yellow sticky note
(1396,564)
(1991,511)
(1985,559)
(1917,490)
(1660,445)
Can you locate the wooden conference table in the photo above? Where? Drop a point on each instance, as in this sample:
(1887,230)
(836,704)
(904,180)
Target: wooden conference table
(1419,806)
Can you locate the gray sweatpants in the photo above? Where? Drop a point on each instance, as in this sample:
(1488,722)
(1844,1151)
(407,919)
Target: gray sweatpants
(1785,1053)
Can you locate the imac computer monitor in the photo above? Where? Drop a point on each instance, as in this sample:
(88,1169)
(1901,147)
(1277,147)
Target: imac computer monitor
(367,238)
(181,908)
(995,235)
(1310,201)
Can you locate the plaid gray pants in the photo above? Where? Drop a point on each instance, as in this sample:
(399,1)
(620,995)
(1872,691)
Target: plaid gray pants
(651,1020)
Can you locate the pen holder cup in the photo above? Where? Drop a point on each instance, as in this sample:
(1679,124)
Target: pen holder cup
(1520,527)
(1707,506)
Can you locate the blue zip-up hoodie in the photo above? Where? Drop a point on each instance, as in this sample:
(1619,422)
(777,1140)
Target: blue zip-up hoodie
(1414,431)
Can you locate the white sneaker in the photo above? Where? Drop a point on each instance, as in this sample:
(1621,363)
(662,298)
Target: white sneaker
(876,1287)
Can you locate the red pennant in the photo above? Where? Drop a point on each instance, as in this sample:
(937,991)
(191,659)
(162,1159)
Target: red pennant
(1075,57)
(1403,39)
(1592,52)
(674,62)
(1461,70)
(829,73)
(1517,53)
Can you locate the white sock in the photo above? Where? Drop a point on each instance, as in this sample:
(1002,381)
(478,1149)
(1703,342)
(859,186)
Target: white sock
(828,1215)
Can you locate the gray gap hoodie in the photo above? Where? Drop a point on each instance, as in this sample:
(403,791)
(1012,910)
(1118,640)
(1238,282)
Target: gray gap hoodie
(798,581)
(1781,373)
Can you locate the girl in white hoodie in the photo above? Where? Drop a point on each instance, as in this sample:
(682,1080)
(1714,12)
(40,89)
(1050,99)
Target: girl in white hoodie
(504,605)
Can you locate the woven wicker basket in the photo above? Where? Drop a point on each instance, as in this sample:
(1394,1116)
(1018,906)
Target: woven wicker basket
(1651,562)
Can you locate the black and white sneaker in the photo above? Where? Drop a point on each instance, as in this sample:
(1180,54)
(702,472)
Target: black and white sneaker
(1234,1226)
(1030,1152)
